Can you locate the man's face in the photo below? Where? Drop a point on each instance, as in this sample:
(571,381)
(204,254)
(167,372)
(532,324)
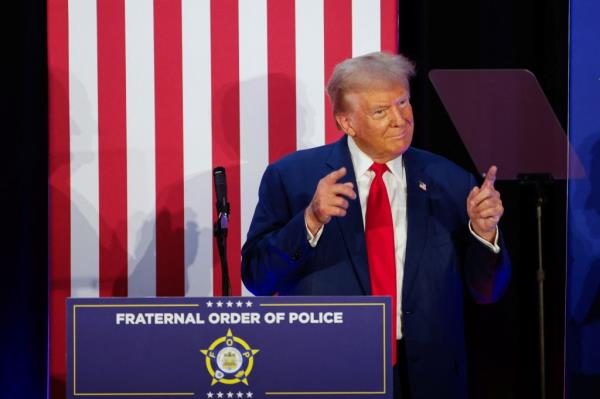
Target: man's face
(380,120)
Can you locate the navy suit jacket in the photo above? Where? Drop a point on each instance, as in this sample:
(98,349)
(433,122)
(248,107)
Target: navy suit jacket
(441,255)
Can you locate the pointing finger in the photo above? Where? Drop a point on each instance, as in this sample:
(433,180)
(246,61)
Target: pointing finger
(483,194)
(490,177)
(336,175)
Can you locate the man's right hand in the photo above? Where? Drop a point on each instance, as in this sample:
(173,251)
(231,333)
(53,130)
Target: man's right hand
(329,200)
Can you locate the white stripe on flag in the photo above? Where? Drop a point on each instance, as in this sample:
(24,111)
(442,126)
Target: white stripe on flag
(83,113)
(254,113)
(366,27)
(197,147)
(310,71)
(141,182)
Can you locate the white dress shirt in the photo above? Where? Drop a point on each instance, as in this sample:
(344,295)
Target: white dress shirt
(395,183)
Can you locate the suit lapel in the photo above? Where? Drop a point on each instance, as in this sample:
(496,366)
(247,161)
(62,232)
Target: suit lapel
(351,225)
(417,184)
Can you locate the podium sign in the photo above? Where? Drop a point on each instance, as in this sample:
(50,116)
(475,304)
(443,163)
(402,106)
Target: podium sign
(225,348)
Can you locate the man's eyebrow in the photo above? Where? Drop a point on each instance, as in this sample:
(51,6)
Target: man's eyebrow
(380,106)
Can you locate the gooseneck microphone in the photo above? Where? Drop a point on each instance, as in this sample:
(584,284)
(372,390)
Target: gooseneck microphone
(222,225)
(220,179)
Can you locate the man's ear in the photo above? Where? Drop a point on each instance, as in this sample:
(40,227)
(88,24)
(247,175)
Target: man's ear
(345,123)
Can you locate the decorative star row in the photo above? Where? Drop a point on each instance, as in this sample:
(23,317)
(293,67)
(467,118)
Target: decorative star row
(229,304)
(229,395)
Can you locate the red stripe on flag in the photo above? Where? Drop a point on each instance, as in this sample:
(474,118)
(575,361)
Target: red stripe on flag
(389,26)
(281,36)
(59,196)
(226,127)
(170,278)
(112,151)
(338,47)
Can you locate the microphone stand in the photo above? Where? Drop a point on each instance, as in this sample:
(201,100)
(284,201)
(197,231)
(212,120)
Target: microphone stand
(220,232)
(539,180)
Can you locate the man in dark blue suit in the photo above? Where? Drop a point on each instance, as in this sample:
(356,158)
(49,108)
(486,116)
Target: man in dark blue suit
(316,231)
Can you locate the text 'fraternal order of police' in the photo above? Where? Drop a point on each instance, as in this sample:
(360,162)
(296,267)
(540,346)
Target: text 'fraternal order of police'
(183,318)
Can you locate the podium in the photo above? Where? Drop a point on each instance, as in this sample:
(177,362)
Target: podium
(231,347)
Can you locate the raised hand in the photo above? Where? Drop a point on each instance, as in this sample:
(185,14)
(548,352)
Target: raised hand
(330,200)
(484,207)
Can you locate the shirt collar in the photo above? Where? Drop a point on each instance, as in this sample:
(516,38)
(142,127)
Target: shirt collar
(362,162)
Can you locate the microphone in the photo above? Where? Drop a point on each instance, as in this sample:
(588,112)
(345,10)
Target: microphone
(221,225)
(220,179)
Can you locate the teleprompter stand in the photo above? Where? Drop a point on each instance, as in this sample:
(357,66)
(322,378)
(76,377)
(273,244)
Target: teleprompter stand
(504,118)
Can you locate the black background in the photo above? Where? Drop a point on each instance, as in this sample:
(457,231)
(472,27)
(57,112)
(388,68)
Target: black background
(501,338)
(23,192)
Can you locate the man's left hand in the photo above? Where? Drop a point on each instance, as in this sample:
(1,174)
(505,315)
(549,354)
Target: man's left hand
(484,207)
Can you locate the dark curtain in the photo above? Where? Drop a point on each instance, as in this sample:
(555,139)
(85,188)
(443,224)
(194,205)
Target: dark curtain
(23,258)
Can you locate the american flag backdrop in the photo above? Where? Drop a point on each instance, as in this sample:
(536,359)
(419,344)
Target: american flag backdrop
(145,98)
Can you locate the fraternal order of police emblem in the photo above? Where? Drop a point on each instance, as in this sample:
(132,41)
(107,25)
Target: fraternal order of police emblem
(229,359)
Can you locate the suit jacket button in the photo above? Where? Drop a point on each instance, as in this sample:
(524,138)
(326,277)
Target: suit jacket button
(297,255)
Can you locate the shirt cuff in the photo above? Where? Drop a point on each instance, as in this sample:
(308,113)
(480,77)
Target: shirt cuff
(493,247)
(313,240)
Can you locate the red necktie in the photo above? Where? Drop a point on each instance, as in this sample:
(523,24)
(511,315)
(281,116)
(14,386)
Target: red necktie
(379,234)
